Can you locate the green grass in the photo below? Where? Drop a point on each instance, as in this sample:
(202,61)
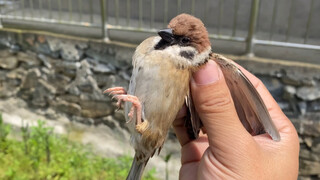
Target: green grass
(44,155)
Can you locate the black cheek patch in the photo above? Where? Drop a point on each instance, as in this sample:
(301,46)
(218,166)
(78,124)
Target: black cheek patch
(187,54)
(162,44)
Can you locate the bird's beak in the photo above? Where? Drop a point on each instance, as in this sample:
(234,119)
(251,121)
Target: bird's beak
(166,34)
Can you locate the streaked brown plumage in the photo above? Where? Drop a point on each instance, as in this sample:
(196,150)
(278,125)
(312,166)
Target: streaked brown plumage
(162,67)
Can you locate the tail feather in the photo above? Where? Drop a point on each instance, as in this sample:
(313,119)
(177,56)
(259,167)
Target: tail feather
(136,170)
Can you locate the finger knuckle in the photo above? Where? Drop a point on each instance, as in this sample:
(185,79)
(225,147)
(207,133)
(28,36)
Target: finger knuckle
(216,105)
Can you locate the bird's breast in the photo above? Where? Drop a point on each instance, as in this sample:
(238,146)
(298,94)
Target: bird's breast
(161,88)
(167,88)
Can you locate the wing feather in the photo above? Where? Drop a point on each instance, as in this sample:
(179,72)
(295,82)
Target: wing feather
(249,105)
(193,122)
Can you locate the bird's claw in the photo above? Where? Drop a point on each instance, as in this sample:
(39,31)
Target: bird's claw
(115,92)
(121,95)
(135,109)
(119,104)
(114,97)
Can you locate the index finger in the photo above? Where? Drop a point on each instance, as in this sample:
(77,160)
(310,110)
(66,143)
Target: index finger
(180,128)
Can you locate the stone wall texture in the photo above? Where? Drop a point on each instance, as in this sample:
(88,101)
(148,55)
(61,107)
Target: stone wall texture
(69,76)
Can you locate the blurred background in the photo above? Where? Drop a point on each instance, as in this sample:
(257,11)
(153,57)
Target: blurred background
(57,56)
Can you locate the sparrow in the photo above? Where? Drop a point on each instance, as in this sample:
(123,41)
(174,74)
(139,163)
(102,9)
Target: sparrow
(159,87)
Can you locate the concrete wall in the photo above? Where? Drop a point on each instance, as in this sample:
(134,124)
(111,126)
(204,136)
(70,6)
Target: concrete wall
(68,76)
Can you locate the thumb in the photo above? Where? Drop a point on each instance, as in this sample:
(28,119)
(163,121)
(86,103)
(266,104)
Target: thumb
(216,109)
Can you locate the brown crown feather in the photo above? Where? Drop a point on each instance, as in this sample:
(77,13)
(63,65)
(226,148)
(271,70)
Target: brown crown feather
(192,27)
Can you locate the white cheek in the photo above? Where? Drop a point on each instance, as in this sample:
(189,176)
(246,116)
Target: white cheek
(156,40)
(173,52)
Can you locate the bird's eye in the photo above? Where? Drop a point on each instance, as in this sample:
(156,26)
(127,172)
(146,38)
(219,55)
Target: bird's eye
(185,40)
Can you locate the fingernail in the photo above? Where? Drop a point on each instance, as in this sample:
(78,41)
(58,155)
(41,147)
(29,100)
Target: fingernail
(208,74)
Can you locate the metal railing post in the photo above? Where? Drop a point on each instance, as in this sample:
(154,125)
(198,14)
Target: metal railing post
(103,15)
(252,27)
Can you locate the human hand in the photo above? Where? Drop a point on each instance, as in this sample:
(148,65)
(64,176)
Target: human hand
(228,151)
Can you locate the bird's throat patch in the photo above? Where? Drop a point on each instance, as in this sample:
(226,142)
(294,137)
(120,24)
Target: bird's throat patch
(187,54)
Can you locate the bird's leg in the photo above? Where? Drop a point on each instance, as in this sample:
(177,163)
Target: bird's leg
(121,95)
(141,126)
(116,91)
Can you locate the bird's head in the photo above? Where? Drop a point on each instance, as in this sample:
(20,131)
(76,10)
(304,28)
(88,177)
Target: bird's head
(186,38)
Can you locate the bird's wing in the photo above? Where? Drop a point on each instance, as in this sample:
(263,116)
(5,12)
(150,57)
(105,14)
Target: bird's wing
(250,107)
(193,122)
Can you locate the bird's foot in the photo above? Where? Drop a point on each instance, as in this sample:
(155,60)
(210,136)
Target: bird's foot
(136,107)
(131,113)
(121,95)
(115,91)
